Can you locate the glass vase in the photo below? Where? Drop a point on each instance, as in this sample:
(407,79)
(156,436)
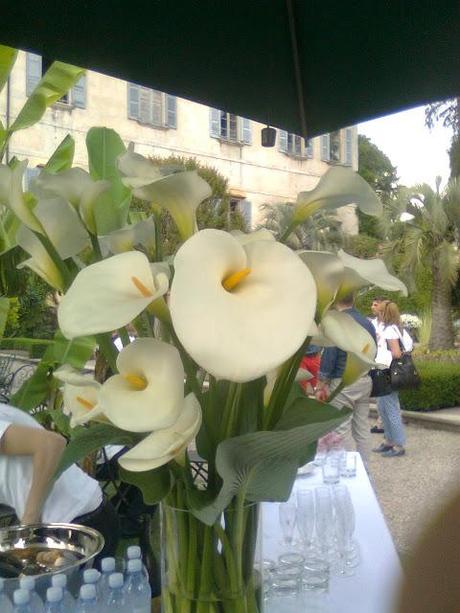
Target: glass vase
(211,569)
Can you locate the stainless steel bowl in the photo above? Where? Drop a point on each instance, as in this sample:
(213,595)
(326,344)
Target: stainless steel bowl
(83,541)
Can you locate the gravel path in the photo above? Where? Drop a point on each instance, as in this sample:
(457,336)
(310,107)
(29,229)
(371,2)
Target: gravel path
(411,488)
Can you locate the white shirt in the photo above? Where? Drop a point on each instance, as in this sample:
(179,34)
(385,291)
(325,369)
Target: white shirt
(74,493)
(388,333)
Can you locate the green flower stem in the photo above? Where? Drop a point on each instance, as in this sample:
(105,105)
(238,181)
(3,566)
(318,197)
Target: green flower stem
(124,336)
(230,414)
(158,240)
(108,349)
(189,366)
(283,386)
(96,247)
(57,260)
(287,233)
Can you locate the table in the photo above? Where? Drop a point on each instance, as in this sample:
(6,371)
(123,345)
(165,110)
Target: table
(374,586)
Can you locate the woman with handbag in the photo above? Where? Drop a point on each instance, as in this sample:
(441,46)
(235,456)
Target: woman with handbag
(391,342)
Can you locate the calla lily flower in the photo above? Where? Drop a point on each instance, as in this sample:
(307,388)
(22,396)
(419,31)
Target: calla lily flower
(148,394)
(162,446)
(179,193)
(40,262)
(77,187)
(139,235)
(341,330)
(12,196)
(363,273)
(240,310)
(327,271)
(81,396)
(248,237)
(110,294)
(338,187)
(62,226)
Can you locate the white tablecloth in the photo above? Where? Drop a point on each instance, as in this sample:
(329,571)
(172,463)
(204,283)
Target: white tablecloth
(374,586)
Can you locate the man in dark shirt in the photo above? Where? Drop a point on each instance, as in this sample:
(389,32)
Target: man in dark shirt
(357,395)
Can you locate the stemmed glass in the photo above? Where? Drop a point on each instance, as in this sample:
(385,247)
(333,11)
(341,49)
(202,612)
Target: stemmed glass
(324,518)
(287,518)
(305,518)
(345,526)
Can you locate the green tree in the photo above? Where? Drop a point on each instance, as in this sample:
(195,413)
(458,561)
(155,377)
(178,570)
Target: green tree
(430,240)
(375,168)
(447,112)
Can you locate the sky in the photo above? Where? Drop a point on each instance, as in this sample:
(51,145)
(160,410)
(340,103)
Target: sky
(418,153)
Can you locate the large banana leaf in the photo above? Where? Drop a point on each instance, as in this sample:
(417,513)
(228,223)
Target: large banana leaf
(62,157)
(7,59)
(111,209)
(57,81)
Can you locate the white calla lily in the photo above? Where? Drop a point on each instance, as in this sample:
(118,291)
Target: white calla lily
(162,446)
(240,310)
(40,262)
(137,170)
(148,394)
(327,271)
(338,187)
(141,234)
(81,400)
(110,294)
(258,235)
(12,195)
(363,273)
(62,226)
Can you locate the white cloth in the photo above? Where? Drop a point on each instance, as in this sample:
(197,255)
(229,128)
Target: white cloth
(388,333)
(73,494)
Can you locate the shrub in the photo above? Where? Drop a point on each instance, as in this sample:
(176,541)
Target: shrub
(439,389)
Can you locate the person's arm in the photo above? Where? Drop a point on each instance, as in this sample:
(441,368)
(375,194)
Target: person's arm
(394,347)
(45,448)
(326,369)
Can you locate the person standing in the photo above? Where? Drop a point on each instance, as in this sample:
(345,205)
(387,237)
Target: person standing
(377,428)
(357,395)
(391,343)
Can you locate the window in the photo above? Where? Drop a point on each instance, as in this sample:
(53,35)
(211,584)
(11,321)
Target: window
(295,145)
(244,207)
(36,66)
(151,107)
(334,147)
(29,176)
(337,147)
(348,146)
(325,148)
(229,127)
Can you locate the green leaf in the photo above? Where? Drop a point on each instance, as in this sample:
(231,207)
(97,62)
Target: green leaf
(87,440)
(56,82)
(62,157)
(154,484)
(8,57)
(9,225)
(4,308)
(75,352)
(264,464)
(111,209)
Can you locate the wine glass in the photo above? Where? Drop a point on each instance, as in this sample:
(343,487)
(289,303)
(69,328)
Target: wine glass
(287,519)
(305,517)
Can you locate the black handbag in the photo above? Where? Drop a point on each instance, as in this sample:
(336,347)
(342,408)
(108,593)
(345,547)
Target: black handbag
(403,374)
(381,383)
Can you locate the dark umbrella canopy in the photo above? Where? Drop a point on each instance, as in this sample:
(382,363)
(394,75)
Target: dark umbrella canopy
(289,63)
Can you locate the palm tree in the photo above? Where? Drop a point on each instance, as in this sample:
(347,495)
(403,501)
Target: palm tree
(430,238)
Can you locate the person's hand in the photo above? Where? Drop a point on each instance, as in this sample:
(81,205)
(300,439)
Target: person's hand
(322,393)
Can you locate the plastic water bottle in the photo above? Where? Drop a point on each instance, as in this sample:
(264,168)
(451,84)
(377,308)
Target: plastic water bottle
(107,568)
(91,576)
(116,600)
(36,603)
(137,589)
(21,599)
(54,600)
(61,581)
(5,602)
(134,552)
(87,602)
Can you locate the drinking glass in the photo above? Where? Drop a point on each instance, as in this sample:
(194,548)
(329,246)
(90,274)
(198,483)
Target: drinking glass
(345,526)
(287,517)
(315,575)
(331,470)
(348,466)
(305,517)
(324,518)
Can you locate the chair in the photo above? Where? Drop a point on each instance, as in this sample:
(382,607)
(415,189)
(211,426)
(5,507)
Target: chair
(6,376)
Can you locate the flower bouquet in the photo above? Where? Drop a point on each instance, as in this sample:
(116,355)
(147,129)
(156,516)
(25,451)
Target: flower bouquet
(220,328)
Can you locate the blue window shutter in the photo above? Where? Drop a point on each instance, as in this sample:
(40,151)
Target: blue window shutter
(214,122)
(157,108)
(145,105)
(283,140)
(348,146)
(325,148)
(246,131)
(30,175)
(33,71)
(245,208)
(171,111)
(79,93)
(309,147)
(133,101)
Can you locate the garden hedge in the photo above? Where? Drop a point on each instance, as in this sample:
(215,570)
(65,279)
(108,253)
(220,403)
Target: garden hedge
(439,389)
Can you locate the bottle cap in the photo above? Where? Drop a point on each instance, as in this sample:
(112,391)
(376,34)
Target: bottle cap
(116,580)
(108,565)
(54,594)
(91,575)
(88,591)
(21,596)
(59,580)
(133,552)
(27,583)
(134,566)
